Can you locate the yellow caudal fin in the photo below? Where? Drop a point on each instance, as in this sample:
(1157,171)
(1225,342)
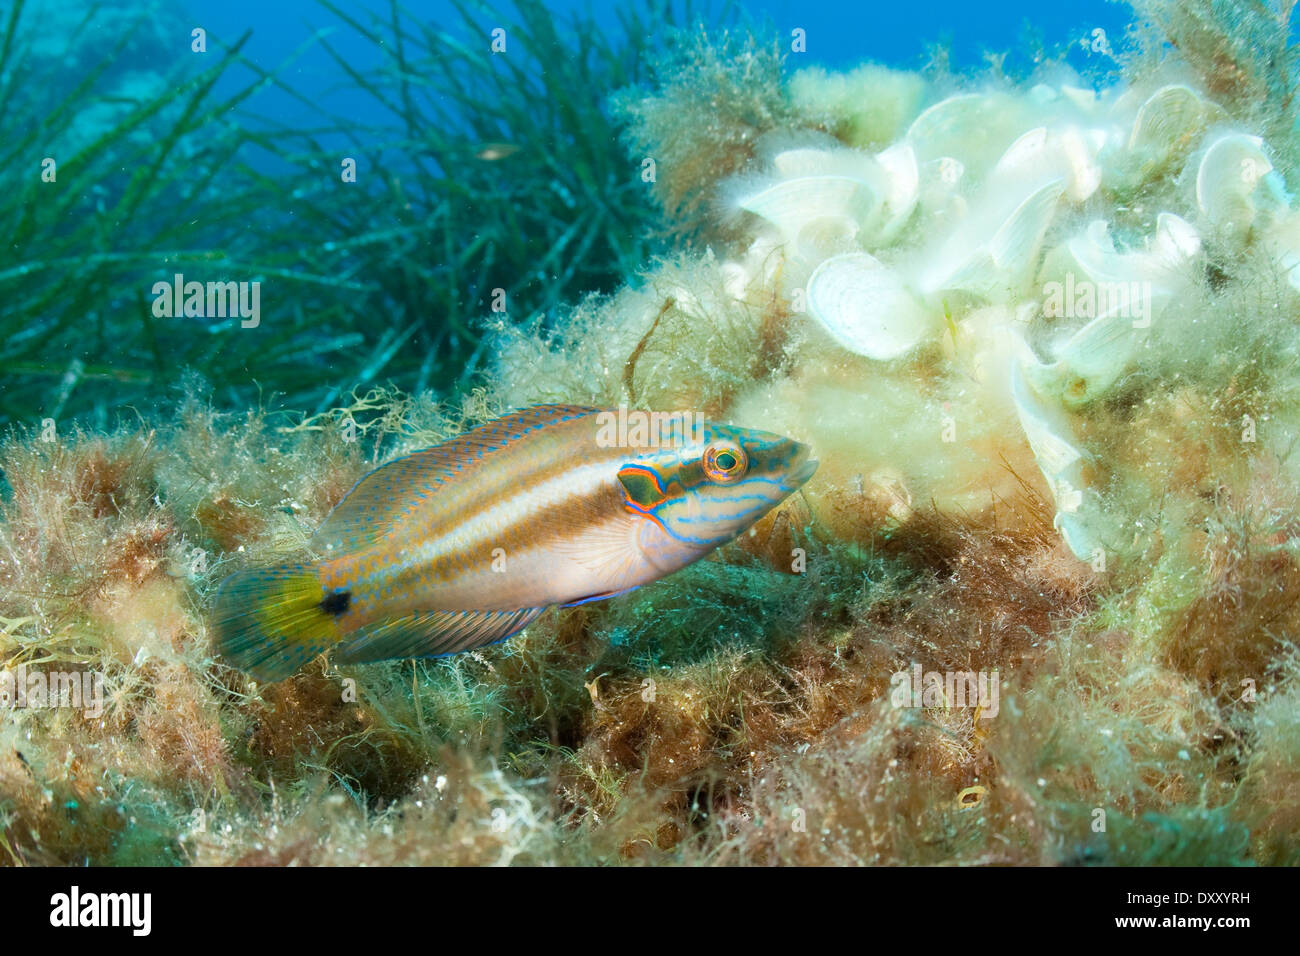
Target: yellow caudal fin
(271,621)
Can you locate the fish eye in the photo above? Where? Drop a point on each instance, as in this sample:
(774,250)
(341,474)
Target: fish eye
(725,462)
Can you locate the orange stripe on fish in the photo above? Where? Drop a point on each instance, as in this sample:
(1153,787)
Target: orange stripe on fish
(465,543)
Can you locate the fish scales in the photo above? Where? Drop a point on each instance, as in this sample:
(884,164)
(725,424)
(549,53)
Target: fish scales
(508,507)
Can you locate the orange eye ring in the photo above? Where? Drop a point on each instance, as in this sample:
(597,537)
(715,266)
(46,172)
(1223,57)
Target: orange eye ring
(725,463)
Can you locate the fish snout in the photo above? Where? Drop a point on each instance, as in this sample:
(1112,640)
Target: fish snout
(802,467)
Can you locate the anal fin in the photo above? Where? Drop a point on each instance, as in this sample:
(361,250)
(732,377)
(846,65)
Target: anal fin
(433,634)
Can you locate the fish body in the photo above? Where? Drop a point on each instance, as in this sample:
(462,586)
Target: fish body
(463,544)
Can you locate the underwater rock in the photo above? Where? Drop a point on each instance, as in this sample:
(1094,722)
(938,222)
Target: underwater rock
(63,44)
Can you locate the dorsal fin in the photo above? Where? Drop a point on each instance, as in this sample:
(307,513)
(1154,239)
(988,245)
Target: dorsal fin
(375,504)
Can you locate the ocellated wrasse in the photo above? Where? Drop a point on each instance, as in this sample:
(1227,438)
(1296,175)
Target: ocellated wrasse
(465,543)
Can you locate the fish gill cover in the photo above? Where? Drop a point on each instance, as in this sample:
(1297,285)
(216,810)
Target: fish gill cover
(1040,325)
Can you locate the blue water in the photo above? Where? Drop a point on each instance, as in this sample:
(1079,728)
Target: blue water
(838,35)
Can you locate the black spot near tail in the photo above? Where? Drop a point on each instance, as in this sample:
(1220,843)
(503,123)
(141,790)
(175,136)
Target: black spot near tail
(336,603)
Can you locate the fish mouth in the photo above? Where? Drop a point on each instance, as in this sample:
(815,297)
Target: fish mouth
(802,469)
